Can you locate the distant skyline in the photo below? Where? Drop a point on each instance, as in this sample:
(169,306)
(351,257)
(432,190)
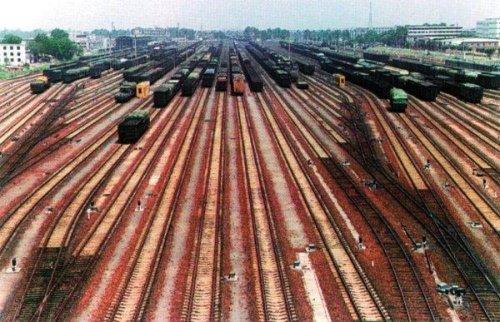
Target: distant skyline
(237,14)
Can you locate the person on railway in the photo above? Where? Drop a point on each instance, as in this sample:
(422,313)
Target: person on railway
(484,183)
(427,164)
(14,264)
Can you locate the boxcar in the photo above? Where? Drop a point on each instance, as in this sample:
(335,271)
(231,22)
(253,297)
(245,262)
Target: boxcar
(126,93)
(398,99)
(133,126)
(191,83)
(208,77)
(72,75)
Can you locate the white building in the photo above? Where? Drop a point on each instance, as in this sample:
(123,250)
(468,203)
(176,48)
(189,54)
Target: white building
(13,54)
(488,28)
(473,43)
(425,32)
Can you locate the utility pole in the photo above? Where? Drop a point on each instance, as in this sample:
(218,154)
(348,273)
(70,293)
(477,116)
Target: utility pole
(110,45)
(370,19)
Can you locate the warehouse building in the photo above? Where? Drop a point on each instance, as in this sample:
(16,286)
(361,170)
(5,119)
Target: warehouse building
(429,32)
(13,54)
(488,28)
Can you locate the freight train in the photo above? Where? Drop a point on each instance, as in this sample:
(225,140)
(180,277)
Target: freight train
(486,79)
(264,58)
(222,75)
(126,93)
(191,83)
(236,74)
(40,85)
(133,126)
(467,92)
(97,64)
(398,99)
(424,76)
(163,94)
(425,80)
(151,72)
(253,78)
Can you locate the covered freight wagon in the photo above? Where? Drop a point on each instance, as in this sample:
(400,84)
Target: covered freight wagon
(489,80)
(72,75)
(238,84)
(133,126)
(221,84)
(398,99)
(283,78)
(126,93)
(465,91)
(191,83)
(208,77)
(164,93)
(305,68)
(422,89)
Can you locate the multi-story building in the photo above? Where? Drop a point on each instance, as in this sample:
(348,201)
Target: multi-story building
(13,54)
(361,31)
(429,32)
(488,28)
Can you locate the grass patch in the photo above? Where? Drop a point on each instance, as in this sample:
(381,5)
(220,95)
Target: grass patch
(7,74)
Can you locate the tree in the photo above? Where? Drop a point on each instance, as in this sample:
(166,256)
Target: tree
(11,39)
(489,52)
(59,34)
(57,45)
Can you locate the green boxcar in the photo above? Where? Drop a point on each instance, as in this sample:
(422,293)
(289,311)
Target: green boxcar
(72,75)
(398,99)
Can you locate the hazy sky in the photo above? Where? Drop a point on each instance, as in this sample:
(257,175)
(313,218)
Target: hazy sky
(236,14)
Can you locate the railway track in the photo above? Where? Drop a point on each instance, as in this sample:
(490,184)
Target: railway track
(484,205)
(474,152)
(277,306)
(486,124)
(31,135)
(485,138)
(61,287)
(204,298)
(485,297)
(415,303)
(59,135)
(361,294)
(238,239)
(133,296)
(457,247)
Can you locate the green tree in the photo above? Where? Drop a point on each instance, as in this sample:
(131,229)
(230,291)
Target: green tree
(11,39)
(57,45)
(489,52)
(59,34)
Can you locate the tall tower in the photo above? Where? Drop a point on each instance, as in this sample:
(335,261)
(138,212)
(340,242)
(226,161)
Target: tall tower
(370,19)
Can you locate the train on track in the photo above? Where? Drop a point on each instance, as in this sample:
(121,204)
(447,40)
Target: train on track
(133,126)
(126,93)
(253,78)
(191,83)
(39,85)
(236,74)
(163,94)
(398,99)
(425,80)
(281,76)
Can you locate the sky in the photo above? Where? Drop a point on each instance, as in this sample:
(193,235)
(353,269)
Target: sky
(237,14)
